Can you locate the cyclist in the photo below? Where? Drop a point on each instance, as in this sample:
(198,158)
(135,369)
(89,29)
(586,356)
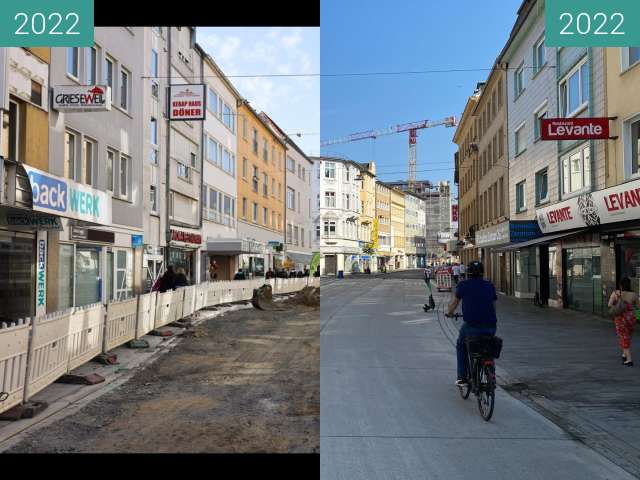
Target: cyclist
(478,310)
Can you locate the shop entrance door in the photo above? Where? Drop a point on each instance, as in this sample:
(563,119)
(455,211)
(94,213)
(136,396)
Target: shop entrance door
(503,273)
(583,283)
(330,265)
(87,276)
(17,277)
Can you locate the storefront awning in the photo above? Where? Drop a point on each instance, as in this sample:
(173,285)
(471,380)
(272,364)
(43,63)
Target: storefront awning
(234,247)
(538,241)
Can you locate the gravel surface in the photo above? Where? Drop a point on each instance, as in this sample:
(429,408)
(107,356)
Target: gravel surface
(248,381)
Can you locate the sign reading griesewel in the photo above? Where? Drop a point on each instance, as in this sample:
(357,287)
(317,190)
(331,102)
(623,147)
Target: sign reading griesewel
(187,102)
(616,204)
(574,128)
(85,98)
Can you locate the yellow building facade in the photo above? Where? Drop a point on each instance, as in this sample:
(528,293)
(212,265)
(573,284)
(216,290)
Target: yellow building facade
(261,191)
(383,225)
(367,226)
(397,229)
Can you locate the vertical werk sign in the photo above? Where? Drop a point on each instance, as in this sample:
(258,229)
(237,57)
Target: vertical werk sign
(187,102)
(574,128)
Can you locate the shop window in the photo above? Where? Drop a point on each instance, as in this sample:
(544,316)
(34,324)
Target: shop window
(17,270)
(87,276)
(576,170)
(123,274)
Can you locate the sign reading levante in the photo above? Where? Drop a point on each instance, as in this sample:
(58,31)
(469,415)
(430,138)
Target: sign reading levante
(66,198)
(574,128)
(186,102)
(85,98)
(616,204)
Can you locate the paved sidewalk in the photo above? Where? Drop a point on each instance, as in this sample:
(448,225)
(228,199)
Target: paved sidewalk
(567,366)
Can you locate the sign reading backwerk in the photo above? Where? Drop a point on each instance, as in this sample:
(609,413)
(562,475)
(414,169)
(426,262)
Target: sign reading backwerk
(615,204)
(67,198)
(187,102)
(574,128)
(85,98)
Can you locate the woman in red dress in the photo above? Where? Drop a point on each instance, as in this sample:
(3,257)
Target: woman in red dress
(626,321)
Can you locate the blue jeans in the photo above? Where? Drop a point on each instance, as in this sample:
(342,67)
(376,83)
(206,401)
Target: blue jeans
(461,348)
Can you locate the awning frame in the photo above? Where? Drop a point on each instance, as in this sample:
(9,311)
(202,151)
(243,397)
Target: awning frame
(540,240)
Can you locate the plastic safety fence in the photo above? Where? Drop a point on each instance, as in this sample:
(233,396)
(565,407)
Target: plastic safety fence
(14,347)
(35,352)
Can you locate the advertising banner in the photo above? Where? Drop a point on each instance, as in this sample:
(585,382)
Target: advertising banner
(66,198)
(574,128)
(615,204)
(187,102)
(454,213)
(83,98)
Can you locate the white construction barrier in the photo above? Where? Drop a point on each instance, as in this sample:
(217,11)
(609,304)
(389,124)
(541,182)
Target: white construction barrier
(146,313)
(164,307)
(14,348)
(120,326)
(85,334)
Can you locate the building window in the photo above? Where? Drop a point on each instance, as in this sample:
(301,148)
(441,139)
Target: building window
(539,114)
(291,164)
(244,208)
(291,198)
(329,170)
(289,238)
(519,139)
(273,155)
(576,170)
(154,73)
(124,89)
(542,187)
(279,191)
(194,160)
(273,187)
(630,56)
(70,156)
(518,81)
(631,137)
(153,198)
(212,151)
(92,65)
(301,237)
(124,175)
(108,74)
(255,141)
(183,171)
(110,164)
(265,185)
(73,61)
(574,91)
(329,228)
(265,216)
(255,179)
(88,161)
(296,233)
(212,102)
(244,128)
(520,197)
(228,118)
(36,93)
(244,167)
(265,150)
(539,56)
(330,199)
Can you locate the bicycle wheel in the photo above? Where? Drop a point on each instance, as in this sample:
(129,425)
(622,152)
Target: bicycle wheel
(486,391)
(466,390)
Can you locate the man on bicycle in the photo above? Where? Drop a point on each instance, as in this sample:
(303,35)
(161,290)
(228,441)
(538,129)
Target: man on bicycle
(478,310)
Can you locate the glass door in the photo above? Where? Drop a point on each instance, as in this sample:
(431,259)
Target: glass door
(87,275)
(583,280)
(17,265)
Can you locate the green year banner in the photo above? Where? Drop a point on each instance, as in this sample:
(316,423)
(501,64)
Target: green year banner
(592,23)
(46,23)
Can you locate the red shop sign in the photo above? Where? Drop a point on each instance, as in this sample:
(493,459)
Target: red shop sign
(186,237)
(574,128)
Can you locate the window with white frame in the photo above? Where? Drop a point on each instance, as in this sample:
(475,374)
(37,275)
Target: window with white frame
(125,173)
(265,216)
(574,91)
(255,212)
(73,62)
(212,150)
(329,228)
(518,81)
(291,164)
(265,185)
(540,113)
(291,198)
(229,162)
(228,119)
(70,157)
(521,203)
(631,140)
(576,170)
(296,232)
(124,89)
(154,73)
(92,65)
(329,170)
(265,150)
(539,55)
(111,159)
(212,102)
(630,57)
(519,142)
(289,232)
(542,186)
(330,199)
(153,198)
(255,141)
(123,277)
(108,74)
(183,171)
(88,161)
(255,179)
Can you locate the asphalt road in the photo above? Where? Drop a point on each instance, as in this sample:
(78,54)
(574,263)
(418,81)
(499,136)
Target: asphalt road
(390,410)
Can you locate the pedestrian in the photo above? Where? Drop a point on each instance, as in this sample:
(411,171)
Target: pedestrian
(622,305)
(317,272)
(463,271)
(213,270)
(306,271)
(456,273)
(269,274)
(292,274)
(180,279)
(428,274)
(239,275)
(300,274)
(167,280)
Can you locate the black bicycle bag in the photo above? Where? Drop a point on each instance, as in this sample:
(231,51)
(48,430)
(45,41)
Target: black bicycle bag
(486,347)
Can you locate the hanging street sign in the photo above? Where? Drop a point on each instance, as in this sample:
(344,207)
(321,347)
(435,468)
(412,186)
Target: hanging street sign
(187,102)
(574,129)
(83,98)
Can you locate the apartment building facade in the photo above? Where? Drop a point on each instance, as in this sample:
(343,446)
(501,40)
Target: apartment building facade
(299,174)
(398,240)
(261,193)
(415,215)
(383,217)
(367,219)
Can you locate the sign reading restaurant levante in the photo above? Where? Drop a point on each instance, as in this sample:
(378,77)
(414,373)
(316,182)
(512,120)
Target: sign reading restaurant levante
(84,98)
(66,198)
(616,204)
(186,102)
(574,128)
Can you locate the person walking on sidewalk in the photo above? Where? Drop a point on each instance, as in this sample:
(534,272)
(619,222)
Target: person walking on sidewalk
(463,271)
(478,298)
(456,273)
(622,304)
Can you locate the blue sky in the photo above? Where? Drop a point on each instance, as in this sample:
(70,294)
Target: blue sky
(292,102)
(376,36)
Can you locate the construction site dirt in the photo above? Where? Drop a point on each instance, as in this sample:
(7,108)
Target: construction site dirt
(247,381)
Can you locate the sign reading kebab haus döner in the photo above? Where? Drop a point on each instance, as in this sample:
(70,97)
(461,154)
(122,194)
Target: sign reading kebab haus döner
(616,204)
(83,98)
(187,102)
